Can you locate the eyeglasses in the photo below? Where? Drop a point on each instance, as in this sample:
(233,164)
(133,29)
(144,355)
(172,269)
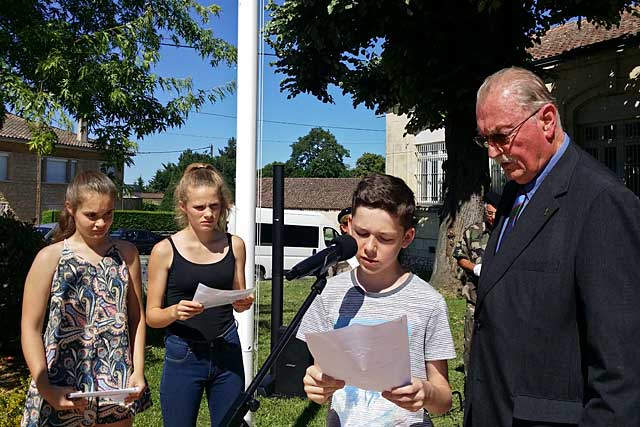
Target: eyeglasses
(502,139)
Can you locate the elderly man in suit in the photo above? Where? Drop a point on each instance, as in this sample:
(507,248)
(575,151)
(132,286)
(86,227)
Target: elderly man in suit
(557,319)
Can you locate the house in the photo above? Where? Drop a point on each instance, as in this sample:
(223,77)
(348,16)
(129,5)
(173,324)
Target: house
(324,195)
(138,199)
(18,166)
(592,72)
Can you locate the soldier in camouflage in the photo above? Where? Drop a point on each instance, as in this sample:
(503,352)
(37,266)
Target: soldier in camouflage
(468,252)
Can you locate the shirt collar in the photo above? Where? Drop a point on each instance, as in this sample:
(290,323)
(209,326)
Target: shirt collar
(531,187)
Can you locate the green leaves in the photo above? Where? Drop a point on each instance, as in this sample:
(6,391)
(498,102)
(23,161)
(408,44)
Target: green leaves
(63,60)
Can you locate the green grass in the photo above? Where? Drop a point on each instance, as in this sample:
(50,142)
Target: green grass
(294,412)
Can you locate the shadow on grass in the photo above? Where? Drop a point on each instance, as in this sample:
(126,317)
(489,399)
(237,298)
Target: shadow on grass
(309,413)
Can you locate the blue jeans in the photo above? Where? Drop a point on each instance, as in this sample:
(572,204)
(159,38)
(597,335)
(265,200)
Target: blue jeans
(191,367)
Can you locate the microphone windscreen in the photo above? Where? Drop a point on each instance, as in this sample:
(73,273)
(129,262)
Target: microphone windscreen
(348,246)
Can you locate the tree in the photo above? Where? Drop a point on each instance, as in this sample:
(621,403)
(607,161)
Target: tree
(138,186)
(267,170)
(406,56)
(68,59)
(317,154)
(369,164)
(166,179)
(225,163)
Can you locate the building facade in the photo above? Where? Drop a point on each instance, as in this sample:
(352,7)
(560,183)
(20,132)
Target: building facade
(18,168)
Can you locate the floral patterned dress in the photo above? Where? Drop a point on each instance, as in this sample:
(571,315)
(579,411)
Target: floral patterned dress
(86,341)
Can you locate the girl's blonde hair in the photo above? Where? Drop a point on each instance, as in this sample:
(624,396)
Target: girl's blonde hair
(89,181)
(202,175)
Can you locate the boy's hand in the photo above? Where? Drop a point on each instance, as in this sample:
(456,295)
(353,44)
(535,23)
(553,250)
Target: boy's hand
(318,386)
(411,397)
(243,304)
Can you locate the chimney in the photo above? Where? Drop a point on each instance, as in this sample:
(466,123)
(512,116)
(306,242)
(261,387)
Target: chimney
(82,133)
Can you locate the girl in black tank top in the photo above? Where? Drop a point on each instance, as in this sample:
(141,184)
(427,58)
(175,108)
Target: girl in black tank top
(202,347)
(184,277)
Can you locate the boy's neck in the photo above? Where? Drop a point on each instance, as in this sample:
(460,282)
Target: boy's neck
(381,282)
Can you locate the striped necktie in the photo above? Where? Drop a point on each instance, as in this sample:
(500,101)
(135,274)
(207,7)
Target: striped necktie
(516,210)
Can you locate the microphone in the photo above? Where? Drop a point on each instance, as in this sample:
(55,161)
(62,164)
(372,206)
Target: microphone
(341,248)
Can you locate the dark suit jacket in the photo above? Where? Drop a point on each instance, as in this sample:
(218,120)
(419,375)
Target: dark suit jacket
(557,322)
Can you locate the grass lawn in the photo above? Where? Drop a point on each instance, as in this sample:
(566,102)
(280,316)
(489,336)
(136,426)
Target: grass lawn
(282,412)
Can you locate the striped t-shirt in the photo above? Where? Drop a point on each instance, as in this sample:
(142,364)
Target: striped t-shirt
(343,303)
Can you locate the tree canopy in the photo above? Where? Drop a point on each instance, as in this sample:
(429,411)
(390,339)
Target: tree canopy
(369,164)
(66,59)
(425,59)
(317,154)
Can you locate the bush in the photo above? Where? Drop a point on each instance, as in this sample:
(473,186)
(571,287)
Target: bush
(154,221)
(145,220)
(12,402)
(18,247)
(49,216)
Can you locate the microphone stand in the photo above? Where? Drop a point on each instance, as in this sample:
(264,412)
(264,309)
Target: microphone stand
(245,401)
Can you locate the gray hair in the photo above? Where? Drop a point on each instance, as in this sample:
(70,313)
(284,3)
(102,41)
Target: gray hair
(527,89)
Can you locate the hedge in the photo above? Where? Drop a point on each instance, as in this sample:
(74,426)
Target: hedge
(145,220)
(18,247)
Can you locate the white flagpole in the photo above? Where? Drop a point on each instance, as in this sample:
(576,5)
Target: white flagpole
(246,133)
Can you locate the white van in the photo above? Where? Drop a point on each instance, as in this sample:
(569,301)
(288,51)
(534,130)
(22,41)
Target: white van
(305,233)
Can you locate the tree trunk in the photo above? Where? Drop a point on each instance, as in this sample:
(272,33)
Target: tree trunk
(466,178)
(36,218)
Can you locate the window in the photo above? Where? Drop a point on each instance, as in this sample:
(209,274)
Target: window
(4,166)
(59,171)
(295,236)
(430,175)
(329,235)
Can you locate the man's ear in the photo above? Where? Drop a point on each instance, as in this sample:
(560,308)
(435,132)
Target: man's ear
(549,121)
(408,237)
(349,221)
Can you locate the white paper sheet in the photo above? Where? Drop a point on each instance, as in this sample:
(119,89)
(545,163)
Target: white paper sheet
(118,395)
(371,357)
(210,297)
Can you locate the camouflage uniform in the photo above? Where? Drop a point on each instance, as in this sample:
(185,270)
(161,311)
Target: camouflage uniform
(471,246)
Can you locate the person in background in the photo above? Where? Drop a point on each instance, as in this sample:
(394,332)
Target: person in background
(468,253)
(347,265)
(95,334)
(202,347)
(557,324)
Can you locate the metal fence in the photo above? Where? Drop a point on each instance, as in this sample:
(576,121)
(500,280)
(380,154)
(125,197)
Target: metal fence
(430,175)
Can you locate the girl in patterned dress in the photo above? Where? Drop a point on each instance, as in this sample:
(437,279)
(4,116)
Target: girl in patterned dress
(95,334)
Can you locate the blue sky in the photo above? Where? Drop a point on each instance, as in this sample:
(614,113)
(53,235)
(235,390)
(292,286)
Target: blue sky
(203,129)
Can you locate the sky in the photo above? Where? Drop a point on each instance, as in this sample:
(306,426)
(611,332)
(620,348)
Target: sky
(216,123)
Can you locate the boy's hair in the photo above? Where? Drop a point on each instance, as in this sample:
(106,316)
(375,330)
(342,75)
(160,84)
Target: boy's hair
(388,193)
(202,175)
(89,181)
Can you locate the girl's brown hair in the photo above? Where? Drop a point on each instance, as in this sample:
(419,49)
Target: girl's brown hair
(85,182)
(202,175)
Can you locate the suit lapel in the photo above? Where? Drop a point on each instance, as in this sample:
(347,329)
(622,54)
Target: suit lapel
(537,213)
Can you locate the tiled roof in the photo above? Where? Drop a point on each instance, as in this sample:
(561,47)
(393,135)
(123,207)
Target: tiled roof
(312,193)
(568,37)
(18,128)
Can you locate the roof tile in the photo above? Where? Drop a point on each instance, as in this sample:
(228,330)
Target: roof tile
(564,38)
(16,127)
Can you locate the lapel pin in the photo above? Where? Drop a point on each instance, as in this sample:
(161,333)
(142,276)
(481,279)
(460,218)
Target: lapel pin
(546,211)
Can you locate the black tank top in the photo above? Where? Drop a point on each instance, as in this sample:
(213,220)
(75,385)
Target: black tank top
(182,282)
